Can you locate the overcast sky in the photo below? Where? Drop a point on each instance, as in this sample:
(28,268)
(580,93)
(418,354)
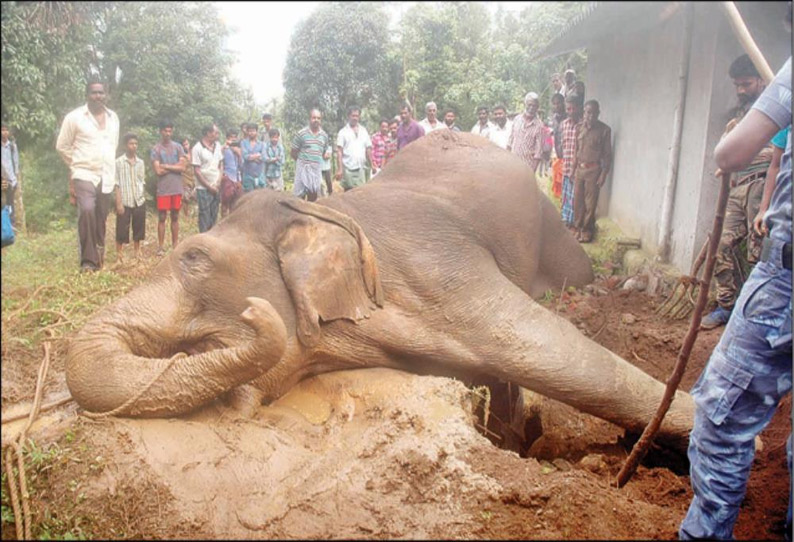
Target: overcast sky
(261,32)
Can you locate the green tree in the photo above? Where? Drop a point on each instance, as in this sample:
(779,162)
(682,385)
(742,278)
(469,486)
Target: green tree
(166,60)
(161,60)
(44,62)
(447,55)
(338,57)
(458,56)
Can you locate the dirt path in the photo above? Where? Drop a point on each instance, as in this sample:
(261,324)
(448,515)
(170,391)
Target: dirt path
(382,454)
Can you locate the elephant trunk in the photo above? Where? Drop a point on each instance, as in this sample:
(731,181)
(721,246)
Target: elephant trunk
(107,375)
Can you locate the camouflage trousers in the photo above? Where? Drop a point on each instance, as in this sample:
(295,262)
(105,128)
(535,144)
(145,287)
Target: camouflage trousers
(747,375)
(743,204)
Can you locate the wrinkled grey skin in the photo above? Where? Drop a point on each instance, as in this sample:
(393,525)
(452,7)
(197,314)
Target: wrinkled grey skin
(431,268)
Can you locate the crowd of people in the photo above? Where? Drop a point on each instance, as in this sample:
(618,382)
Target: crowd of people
(215,174)
(571,144)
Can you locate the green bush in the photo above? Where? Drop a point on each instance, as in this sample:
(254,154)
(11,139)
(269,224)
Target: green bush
(45,187)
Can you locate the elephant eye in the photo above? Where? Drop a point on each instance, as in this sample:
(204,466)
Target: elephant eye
(195,261)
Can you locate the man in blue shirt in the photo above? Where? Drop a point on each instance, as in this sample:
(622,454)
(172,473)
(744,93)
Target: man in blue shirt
(253,152)
(749,371)
(10,164)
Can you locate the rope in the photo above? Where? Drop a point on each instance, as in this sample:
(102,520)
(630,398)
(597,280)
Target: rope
(12,488)
(23,528)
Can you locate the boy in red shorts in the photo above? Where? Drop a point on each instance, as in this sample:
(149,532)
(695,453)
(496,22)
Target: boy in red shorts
(168,165)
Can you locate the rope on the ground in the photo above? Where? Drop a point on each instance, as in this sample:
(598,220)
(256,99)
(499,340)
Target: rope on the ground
(12,489)
(23,528)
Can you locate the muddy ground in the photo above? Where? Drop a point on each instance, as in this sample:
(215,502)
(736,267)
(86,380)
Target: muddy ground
(381,454)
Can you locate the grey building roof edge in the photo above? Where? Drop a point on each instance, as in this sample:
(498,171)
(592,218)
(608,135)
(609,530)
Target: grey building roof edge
(600,18)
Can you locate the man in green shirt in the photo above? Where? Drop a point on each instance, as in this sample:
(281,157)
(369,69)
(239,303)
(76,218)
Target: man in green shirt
(307,150)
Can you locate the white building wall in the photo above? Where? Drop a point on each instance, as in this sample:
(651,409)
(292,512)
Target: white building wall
(633,76)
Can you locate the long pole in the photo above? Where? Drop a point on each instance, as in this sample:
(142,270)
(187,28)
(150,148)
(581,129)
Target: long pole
(747,41)
(642,445)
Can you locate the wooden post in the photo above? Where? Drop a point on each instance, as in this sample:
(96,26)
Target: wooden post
(674,158)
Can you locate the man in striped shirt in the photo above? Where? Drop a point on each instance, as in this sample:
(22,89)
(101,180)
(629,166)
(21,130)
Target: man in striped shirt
(526,138)
(570,132)
(307,151)
(130,198)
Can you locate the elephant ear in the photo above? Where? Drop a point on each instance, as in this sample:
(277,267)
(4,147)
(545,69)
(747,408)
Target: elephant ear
(329,268)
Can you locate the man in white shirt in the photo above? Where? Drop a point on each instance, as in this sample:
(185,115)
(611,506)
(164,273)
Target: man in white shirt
(483,126)
(87,144)
(431,122)
(207,160)
(500,131)
(353,151)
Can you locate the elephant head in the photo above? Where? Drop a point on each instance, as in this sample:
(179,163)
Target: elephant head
(201,327)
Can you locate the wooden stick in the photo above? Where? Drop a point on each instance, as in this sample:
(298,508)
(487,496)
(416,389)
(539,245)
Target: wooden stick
(747,41)
(700,259)
(642,445)
(44,408)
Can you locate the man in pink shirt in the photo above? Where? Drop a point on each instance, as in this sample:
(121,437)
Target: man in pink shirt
(409,129)
(380,143)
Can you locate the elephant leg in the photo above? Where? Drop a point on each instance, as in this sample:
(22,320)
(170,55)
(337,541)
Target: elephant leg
(525,343)
(502,332)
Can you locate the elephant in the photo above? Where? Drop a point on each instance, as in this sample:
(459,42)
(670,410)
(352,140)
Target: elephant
(433,267)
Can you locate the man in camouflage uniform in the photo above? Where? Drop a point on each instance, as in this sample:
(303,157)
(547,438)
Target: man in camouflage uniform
(747,188)
(749,371)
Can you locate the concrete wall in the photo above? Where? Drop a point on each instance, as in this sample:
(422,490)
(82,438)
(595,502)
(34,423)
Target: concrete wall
(634,77)
(696,184)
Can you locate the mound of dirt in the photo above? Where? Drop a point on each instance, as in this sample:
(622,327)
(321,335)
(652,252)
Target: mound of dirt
(369,453)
